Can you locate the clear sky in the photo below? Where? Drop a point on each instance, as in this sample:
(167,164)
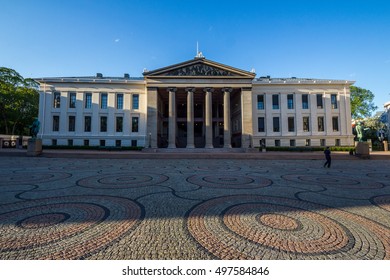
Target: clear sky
(330,39)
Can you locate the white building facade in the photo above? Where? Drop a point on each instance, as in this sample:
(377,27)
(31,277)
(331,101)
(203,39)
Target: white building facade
(195,104)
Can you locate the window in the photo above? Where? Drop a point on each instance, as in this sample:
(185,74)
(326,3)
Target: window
(72,100)
(260,124)
(134,143)
(102,143)
(320,121)
(306,126)
(103,101)
(56,123)
(337,142)
(54,142)
(88,100)
(118,143)
(119,124)
(275,101)
(72,123)
(292,142)
(322,142)
(260,102)
(56,99)
(86,142)
(134,124)
(335,123)
(70,142)
(135,101)
(320,104)
(305,101)
(333,101)
(277,143)
(276,126)
(291,124)
(119,101)
(290,101)
(87,123)
(103,124)
(307,143)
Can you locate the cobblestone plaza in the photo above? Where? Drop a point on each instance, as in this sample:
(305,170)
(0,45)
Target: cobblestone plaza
(101,208)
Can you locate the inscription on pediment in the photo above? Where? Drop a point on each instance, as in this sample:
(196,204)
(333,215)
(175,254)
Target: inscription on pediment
(199,69)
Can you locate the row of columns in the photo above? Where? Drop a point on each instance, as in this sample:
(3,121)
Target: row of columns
(208,117)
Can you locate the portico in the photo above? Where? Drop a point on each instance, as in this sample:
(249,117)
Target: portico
(195,103)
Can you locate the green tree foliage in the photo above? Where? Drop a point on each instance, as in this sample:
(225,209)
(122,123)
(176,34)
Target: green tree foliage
(19,102)
(362,105)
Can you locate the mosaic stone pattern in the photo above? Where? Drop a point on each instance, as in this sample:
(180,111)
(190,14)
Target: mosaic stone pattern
(193,209)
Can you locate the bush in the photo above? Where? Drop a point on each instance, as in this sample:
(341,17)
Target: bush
(93,148)
(309,149)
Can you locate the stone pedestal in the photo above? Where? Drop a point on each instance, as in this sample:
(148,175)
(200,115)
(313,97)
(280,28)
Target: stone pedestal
(363,149)
(34,147)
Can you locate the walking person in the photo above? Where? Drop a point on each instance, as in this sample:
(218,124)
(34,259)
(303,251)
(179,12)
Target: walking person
(327,157)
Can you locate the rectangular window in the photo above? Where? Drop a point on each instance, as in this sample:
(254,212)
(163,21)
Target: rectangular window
(88,100)
(70,142)
(335,123)
(276,126)
(72,100)
(290,101)
(308,142)
(86,142)
(103,124)
(119,124)
(118,143)
(291,124)
(292,142)
(102,143)
(260,102)
(134,143)
(306,124)
(305,101)
(56,123)
(322,142)
(275,101)
(54,142)
(72,123)
(260,124)
(321,126)
(87,123)
(333,101)
(320,104)
(135,101)
(119,101)
(134,124)
(103,101)
(337,142)
(277,143)
(56,99)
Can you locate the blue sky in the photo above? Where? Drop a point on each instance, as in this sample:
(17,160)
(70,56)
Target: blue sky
(308,39)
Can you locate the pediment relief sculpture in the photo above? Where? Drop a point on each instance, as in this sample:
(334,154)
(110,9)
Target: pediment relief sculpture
(199,69)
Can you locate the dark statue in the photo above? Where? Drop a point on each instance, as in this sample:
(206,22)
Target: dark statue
(34,128)
(199,69)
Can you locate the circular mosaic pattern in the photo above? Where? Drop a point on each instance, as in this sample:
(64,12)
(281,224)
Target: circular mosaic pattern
(122,180)
(332,180)
(25,177)
(262,227)
(229,181)
(52,228)
(379,175)
(382,201)
(220,168)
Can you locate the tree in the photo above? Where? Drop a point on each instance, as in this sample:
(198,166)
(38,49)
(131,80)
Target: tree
(362,104)
(19,101)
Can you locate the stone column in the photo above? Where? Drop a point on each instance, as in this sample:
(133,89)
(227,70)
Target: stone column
(152,116)
(209,117)
(190,118)
(227,133)
(172,118)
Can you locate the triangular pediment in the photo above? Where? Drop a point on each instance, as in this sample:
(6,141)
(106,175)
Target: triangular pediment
(199,67)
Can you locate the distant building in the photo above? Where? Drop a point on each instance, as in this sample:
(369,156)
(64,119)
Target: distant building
(195,104)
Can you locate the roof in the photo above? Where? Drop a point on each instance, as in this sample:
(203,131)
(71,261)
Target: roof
(295,80)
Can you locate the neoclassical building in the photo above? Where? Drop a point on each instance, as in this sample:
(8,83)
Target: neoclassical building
(195,104)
